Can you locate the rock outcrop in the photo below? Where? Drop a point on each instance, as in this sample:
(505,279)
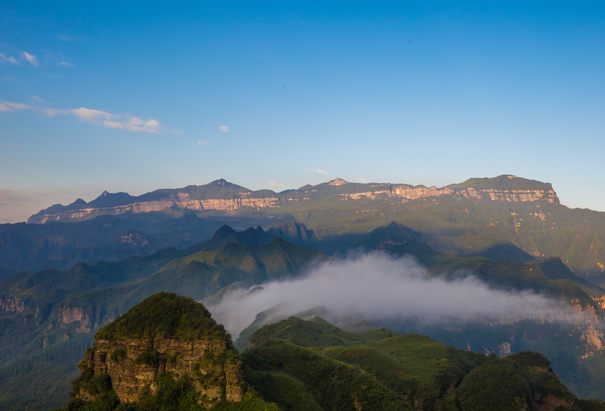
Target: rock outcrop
(165,336)
(133,365)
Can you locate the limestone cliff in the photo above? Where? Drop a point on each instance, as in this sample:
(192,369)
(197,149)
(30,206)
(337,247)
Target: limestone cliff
(165,336)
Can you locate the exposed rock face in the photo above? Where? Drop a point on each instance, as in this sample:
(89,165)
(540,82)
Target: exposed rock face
(12,304)
(407,192)
(133,364)
(73,314)
(549,403)
(180,201)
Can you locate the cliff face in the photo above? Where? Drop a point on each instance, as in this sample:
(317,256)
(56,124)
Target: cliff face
(408,193)
(133,365)
(228,198)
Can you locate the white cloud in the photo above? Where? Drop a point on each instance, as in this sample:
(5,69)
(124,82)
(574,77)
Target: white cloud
(33,60)
(224,129)
(90,114)
(119,121)
(203,143)
(320,171)
(273,183)
(4,59)
(11,107)
(64,63)
(134,124)
(363,180)
(37,99)
(381,287)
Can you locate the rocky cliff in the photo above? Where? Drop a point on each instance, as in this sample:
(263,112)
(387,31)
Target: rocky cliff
(164,337)
(223,196)
(133,365)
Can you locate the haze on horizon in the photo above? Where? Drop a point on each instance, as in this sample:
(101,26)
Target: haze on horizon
(136,97)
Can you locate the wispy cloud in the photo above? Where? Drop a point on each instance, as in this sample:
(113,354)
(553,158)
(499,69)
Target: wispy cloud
(320,171)
(64,63)
(70,38)
(51,112)
(119,121)
(12,197)
(4,59)
(273,183)
(33,60)
(224,129)
(14,144)
(103,118)
(11,107)
(91,115)
(203,143)
(38,99)
(363,180)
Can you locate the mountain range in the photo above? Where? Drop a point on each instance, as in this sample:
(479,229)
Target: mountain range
(476,217)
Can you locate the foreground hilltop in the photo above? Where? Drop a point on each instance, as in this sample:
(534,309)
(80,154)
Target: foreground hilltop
(224,196)
(163,342)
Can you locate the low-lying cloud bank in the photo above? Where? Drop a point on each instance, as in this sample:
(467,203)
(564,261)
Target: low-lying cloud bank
(379,286)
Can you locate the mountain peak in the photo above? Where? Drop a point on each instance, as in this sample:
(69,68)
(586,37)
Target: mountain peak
(162,314)
(337,182)
(220,182)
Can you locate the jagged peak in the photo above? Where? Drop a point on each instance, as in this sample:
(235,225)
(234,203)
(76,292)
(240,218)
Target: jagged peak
(224,231)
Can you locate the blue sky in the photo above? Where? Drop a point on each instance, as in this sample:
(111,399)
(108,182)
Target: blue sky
(138,96)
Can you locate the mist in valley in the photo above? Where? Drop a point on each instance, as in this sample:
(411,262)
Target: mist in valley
(377,286)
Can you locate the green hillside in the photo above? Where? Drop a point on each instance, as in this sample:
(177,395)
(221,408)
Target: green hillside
(427,373)
(300,379)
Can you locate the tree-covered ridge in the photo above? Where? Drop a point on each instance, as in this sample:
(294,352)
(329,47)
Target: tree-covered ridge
(503,182)
(427,373)
(298,378)
(164,314)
